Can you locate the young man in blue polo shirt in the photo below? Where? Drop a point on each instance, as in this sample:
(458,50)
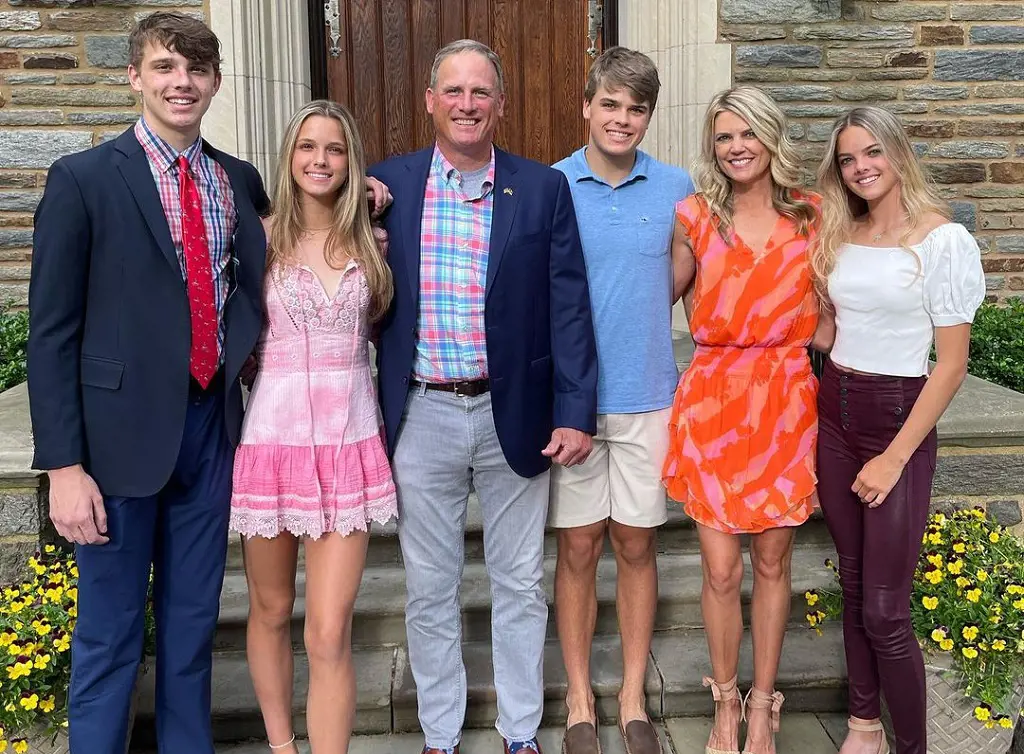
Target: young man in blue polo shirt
(624,202)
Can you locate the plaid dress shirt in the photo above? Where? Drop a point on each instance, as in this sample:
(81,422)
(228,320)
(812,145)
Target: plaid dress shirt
(455,233)
(218,200)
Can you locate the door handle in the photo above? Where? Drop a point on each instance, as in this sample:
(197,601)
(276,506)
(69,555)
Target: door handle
(595,19)
(332,13)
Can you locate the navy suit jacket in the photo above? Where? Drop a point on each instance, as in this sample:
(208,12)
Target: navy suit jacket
(109,336)
(541,354)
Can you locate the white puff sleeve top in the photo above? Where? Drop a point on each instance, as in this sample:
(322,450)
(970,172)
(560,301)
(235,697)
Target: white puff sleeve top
(888,300)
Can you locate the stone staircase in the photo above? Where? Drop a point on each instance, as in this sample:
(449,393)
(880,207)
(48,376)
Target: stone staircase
(812,674)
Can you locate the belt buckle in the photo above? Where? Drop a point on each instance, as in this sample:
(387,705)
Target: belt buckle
(457,389)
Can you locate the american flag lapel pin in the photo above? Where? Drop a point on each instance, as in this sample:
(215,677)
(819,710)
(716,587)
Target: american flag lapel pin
(509,191)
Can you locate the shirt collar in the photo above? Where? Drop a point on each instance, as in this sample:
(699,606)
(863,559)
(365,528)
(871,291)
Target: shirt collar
(445,170)
(582,170)
(162,154)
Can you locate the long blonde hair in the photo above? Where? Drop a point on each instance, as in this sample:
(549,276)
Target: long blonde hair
(350,235)
(840,206)
(768,123)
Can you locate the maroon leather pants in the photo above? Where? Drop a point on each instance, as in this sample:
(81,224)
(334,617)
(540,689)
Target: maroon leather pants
(878,547)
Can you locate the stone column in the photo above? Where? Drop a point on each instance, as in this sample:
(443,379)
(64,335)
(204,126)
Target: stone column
(681,36)
(266,77)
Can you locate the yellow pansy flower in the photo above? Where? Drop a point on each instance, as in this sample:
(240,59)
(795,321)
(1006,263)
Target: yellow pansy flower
(934,577)
(935,559)
(930,603)
(999,645)
(938,634)
(962,582)
(1019,604)
(29,701)
(20,745)
(1005,722)
(62,643)
(955,567)
(982,712)
(993,537)
(811,597)
(42,660)
(969,652)
(970,633)
(982,576)
(973,595)
(3,745)
(48,704)
(946,645)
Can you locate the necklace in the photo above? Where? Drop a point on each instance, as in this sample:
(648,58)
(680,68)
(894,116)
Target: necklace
(311,231)
(886,231)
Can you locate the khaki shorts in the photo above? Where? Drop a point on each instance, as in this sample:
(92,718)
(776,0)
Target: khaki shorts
(621,479)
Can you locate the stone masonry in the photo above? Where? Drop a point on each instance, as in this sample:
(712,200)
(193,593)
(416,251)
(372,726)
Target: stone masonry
(63,88)
(953,70)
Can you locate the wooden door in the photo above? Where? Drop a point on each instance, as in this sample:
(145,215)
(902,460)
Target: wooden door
(378,64)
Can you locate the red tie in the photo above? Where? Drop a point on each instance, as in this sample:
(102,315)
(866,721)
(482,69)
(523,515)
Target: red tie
(199,279)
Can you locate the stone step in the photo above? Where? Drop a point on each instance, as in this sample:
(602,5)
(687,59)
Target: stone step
(380,607)
(811,675)
(801,732)
(678,534)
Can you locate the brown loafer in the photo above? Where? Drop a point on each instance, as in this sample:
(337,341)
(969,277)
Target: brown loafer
(640,737)
(581,738)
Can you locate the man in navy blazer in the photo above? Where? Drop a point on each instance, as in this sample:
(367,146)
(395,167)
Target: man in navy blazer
(487,372)
(134,425)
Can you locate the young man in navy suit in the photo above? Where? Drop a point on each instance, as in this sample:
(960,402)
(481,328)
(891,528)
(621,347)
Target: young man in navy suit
(487,373)
(145,301)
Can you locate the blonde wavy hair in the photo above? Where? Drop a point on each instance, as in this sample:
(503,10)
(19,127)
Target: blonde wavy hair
(768,123)
(840,206)
(351,235)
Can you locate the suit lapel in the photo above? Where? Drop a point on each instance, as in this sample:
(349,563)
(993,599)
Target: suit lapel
(410,222)
(502,214)
(135,170)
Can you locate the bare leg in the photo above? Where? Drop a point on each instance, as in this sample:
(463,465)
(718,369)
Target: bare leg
(270,573)
(334,568)
(579,549)
(771,555)
(636,600)
(722,562)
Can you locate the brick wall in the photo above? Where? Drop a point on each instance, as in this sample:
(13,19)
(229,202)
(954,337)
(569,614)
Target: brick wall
(953,70)
(63,88)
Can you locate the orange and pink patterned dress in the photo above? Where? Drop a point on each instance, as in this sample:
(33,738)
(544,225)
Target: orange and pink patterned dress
(744,422)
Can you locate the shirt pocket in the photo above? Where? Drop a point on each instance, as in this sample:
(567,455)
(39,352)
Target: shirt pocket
(653,236)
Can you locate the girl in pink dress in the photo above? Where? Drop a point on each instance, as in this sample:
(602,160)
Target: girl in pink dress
(311,465)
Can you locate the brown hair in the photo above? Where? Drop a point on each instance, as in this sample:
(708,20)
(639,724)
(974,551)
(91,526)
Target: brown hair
(178,32)
(619,67)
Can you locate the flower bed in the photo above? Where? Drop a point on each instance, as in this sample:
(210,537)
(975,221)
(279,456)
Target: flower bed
(967,609)
(37,617)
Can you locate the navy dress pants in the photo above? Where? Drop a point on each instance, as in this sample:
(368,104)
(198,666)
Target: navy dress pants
(182,532)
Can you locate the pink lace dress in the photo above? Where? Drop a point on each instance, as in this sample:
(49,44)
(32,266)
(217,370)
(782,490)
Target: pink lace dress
(311,458)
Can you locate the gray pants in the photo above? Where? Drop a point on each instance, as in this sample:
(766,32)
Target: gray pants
(446,444)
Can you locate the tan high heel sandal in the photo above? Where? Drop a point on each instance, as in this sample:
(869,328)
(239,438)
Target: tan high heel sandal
(757,699)
(723,692)
(883,747)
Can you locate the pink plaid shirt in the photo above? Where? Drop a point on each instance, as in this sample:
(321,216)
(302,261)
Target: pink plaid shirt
(455,233)
(218,200)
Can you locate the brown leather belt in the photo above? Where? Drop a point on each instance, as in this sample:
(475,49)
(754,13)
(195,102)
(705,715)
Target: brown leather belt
(463,389)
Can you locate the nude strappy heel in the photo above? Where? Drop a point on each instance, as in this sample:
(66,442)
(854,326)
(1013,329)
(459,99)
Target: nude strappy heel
(723,692)
(757,699)
(883,747)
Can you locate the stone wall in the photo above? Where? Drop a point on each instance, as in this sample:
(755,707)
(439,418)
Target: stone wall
(953,70)
(63,88)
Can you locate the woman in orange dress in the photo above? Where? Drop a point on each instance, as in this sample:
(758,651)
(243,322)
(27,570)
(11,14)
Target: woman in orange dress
(744,422)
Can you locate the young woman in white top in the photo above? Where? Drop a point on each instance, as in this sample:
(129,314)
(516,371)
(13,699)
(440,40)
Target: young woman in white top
(897,274)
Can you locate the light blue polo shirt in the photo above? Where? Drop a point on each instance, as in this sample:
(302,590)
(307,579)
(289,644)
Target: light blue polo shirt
(627,237)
